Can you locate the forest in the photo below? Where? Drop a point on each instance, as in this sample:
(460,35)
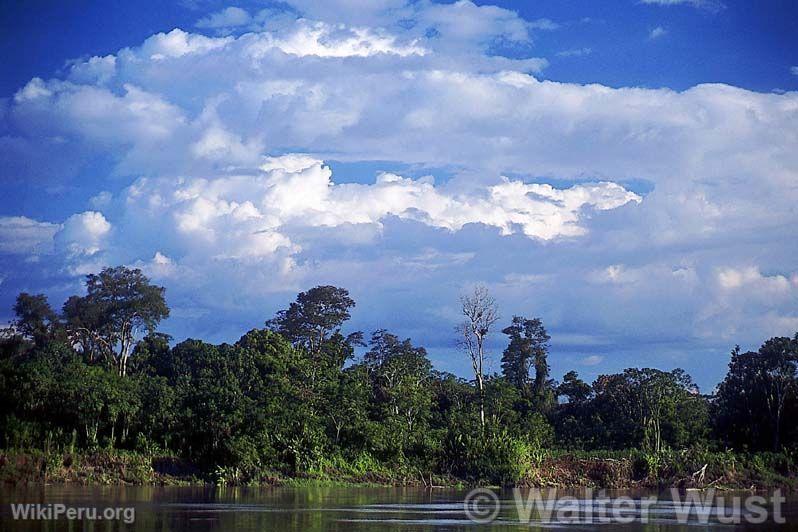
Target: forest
(303,395)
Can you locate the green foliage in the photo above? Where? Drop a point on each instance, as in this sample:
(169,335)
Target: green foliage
(284,399)
(313,323)
(645,408)
(36,319)
(120,302)
(759,396)
(528,349)
(495,456)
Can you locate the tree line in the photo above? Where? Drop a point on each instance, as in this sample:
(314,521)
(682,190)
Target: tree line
(293,394)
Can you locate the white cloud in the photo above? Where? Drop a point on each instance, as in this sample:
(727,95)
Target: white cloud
(625,277)
(228,17)
(159,267)
(543,24)
(33,90)
(101,199)
(592,360)
(745,300)
(751,278)
(657,33)
(322,40)
(710,5)
(21,235)
(97,70)
(464,21)
(297,191)
(575,52)
(615,273)
(84,234)
(794,70)
(177,43)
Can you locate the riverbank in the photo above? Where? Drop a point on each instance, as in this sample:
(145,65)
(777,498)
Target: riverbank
(613,470)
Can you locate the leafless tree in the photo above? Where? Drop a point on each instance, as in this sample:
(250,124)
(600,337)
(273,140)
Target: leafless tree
(481,313)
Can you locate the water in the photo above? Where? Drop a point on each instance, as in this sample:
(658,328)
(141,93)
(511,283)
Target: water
(337,508)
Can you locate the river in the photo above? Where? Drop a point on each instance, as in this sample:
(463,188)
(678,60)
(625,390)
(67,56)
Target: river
(354,509)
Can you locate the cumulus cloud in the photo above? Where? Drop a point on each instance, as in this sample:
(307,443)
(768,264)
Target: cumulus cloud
(466,21)
(322,40)
(750,278)
(298,191)
(101,199)
(462,22)
(267,215)
(84,233)
(746,298)
(20,235)
(228,17)
(657,33)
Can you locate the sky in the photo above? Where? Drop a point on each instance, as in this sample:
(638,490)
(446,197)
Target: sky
(626,170)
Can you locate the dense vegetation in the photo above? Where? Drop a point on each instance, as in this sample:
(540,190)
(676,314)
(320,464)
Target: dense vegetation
(293,398)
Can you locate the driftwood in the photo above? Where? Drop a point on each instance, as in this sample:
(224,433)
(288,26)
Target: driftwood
(701,473)
(429,485)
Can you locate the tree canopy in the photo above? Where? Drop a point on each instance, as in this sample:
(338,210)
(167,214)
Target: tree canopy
(119,304)
(294,396)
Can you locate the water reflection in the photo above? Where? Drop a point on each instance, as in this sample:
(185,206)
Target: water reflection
(316,508)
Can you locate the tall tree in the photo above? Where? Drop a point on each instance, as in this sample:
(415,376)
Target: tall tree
(528,348)
(120,303)
(36,320)
(313,323)
(759,392)
(481,313)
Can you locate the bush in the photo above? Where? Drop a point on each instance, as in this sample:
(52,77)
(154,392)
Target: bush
(495,456)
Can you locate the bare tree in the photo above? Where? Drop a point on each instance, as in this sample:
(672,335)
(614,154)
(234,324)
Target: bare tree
(481,313)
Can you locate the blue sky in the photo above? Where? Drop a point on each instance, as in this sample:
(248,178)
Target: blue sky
(747,44)
(625,170)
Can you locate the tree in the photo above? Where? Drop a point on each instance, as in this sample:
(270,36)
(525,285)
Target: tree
(759,392)
(528,348)
(574,389)
(346,403)
(313,324)
(96,401)
(35,318)
(87,328)
(151,354)
(481,313)
(400,373)
(313,317)
(120,302)
(779,381)
(501,401)
(572,416)
(642,406)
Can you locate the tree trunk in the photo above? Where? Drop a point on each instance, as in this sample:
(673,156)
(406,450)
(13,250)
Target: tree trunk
(481,400)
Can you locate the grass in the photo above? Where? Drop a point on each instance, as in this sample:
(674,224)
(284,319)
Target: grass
(609,469)
(94,468)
